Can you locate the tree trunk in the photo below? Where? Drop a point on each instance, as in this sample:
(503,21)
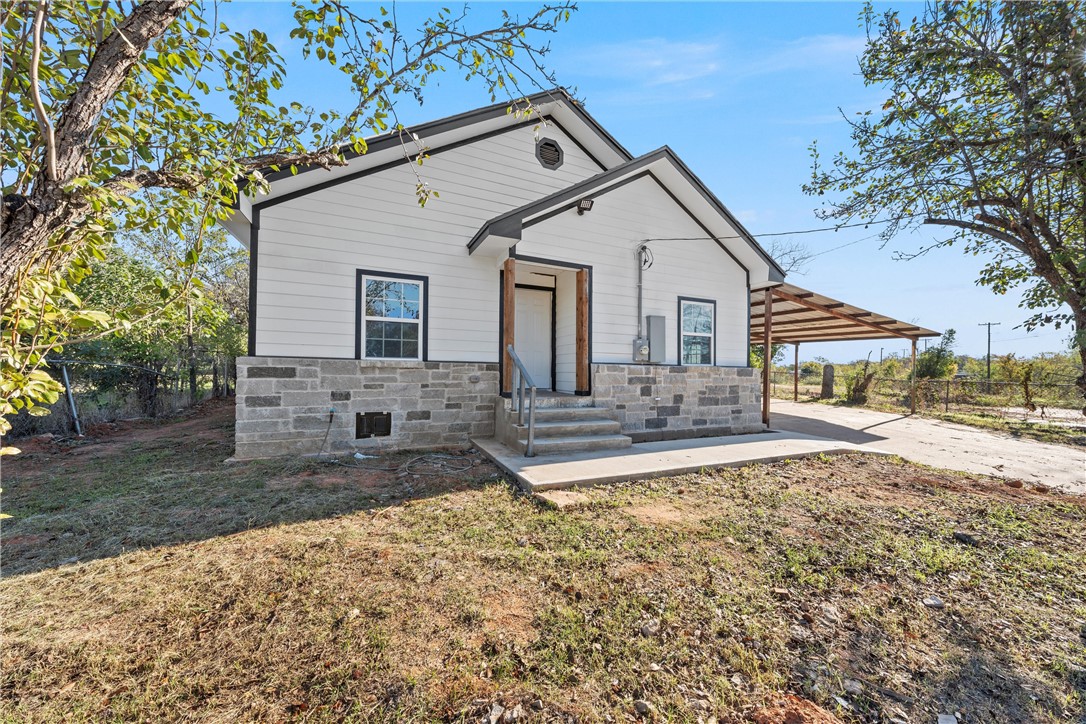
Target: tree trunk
(30,223)
(1080,343)
(193,397)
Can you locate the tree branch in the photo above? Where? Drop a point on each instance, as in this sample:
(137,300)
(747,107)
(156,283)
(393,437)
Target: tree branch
(982,229)
(44,124)
(113,61)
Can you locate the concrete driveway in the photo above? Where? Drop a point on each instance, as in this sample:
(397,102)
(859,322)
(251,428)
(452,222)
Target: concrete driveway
(937,443)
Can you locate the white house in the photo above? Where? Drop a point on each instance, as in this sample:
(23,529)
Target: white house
(623,285)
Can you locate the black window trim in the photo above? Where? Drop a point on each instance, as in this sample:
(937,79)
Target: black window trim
(359,300)
(712,337)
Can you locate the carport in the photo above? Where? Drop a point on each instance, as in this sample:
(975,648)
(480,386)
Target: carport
(787,314)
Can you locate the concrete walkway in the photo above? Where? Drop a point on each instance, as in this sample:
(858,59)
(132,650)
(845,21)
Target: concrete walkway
(656,459)
(937,443)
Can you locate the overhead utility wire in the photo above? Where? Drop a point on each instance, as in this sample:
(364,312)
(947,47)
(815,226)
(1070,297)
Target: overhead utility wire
(787,233)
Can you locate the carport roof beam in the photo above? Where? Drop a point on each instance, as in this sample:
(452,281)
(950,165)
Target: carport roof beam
(801,315)
(840,315)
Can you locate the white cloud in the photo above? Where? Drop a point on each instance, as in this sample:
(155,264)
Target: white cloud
(650,61)
(661,70)
(805,53)
(747,216)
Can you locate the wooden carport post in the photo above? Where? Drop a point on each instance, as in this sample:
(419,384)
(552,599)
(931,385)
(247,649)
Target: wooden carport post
(767,352)
(795,376)
(912,392)
(509,317)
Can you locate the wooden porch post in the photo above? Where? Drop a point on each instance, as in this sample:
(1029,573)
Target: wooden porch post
(795,376)
(912,391)
(583,382)
(767,353)
(509,307)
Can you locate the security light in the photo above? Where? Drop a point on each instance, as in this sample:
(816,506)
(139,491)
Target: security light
(583,206)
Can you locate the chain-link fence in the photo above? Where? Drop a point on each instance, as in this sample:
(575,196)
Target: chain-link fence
(102,392)
(1040,402)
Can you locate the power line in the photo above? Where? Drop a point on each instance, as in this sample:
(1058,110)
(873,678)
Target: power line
(787,233)
(842,226)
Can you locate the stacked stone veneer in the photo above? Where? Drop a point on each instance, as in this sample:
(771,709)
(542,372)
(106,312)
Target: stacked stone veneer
(667,403)
(283,404)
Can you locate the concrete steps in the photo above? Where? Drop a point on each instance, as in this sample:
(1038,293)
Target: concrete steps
(576,443)
(563,425)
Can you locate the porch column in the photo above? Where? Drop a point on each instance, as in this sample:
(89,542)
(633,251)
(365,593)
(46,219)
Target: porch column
(912,391)
(584,385)
(795,376)
(509,317)
(767,353)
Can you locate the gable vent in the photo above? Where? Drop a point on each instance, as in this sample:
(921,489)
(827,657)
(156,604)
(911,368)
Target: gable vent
(549,153)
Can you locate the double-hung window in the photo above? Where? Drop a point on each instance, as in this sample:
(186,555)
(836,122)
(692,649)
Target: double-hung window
(392,309)
(697,323)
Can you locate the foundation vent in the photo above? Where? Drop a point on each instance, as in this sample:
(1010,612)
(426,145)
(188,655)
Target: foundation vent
(372,424)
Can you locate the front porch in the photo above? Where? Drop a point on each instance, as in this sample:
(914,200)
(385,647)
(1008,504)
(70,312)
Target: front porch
(657,459)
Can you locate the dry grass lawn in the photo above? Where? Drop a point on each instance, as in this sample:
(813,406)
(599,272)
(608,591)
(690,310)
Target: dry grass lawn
(146,580)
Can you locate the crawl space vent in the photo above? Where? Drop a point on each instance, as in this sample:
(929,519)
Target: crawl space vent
(549,153)
(372,424)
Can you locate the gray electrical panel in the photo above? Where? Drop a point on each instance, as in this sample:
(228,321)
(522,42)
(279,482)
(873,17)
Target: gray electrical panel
(657,334)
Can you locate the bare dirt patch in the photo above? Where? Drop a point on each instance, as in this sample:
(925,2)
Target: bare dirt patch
(794,710)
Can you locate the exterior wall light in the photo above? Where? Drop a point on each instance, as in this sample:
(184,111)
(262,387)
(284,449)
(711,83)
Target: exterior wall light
(583,206)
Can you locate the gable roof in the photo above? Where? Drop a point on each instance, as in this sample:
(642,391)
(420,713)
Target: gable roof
(461,120)
(676,178)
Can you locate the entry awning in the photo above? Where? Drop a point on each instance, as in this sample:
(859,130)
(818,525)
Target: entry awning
(800,315)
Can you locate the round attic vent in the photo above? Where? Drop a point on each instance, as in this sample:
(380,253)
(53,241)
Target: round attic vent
(549,153)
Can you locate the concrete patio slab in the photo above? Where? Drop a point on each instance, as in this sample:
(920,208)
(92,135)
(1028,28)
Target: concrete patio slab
(939,444)
(657,459)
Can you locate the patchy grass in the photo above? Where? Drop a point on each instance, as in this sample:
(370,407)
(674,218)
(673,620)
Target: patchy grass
(302,591)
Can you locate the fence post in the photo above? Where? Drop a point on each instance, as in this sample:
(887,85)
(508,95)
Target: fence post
(912,391)
(71,400)
(946,398)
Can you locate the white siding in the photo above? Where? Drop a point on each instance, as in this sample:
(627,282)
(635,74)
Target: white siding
(607,238)
(310,247)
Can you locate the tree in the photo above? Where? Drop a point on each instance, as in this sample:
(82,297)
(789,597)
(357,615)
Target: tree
(938,361)
(757,355)
(99,105)
(983,132)
(792,256)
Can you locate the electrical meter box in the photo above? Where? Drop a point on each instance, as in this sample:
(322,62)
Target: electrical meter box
(657,334)
(640,349)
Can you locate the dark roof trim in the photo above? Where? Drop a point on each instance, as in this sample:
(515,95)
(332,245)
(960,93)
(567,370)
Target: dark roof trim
(451,123)
(713,200)
(396,162)
(510,224)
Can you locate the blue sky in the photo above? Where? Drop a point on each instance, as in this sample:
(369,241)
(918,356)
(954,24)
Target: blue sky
(739,91)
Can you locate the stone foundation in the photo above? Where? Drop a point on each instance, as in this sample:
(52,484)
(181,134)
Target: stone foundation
(668,403)
(283,404)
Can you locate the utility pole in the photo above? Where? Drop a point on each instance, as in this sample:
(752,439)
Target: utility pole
(989,325)
(880,355)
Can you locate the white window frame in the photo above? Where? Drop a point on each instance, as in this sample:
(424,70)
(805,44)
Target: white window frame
(711,335)
(421,282)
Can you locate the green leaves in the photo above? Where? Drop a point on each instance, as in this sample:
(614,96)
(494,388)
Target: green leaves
(201,110)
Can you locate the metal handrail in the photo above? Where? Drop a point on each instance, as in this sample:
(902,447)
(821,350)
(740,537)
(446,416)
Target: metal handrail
(521,378)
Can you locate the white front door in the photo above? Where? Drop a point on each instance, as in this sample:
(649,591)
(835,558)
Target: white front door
(534,333)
